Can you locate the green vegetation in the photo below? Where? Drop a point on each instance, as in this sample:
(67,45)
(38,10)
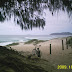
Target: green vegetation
(34,41)
(12,44)
(12,61)
(69,42)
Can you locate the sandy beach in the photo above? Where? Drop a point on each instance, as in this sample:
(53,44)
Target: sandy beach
(57,56)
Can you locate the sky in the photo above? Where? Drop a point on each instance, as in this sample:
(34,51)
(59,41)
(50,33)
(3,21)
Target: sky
(59,22)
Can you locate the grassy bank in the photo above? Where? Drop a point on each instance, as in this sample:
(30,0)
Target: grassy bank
(34,41)
(12,61)
(13,44)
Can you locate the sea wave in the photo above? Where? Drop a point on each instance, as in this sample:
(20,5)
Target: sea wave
(31,37)
(21,41)
(5,43)
(10,42)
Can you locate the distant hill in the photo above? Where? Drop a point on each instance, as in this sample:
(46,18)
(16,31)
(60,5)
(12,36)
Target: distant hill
(63,33)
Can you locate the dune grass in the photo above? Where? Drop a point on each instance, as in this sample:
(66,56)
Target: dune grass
(13,44)
(69,42)
(34,41)
(12,61)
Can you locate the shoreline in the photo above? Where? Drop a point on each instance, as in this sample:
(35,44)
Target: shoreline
(10,42)
(42,40)
(30,46)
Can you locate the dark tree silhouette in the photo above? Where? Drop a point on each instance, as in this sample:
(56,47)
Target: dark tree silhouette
(27,13)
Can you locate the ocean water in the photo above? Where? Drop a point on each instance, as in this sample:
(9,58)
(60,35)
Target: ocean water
(9,39)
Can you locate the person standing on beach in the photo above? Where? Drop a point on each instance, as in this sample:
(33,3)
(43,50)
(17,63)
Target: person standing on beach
(34,51)
(38,52)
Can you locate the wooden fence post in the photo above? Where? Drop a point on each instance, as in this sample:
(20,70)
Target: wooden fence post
(50,48)
(66,44)
(66,40)
(62,45)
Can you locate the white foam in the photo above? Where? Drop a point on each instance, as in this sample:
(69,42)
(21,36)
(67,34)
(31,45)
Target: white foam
(5,43)
(31,37)
(21,41)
